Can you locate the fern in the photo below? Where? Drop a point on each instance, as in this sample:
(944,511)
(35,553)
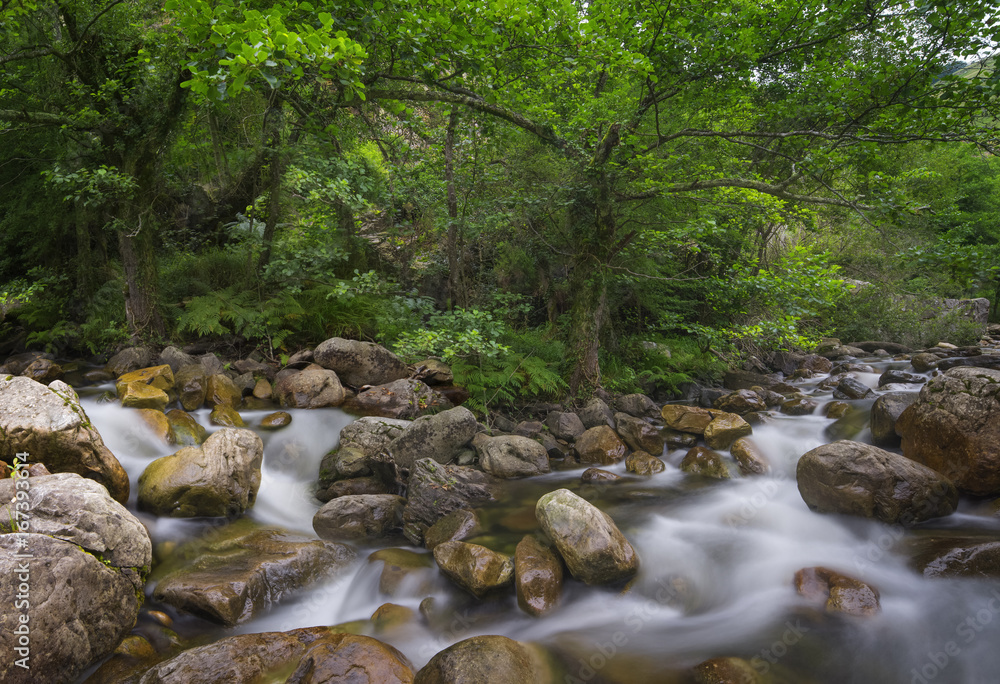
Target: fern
(493,383)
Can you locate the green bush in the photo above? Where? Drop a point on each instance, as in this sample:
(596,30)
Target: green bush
(878,312)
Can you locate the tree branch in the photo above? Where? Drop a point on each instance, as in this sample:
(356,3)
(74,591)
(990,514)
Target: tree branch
(543,132)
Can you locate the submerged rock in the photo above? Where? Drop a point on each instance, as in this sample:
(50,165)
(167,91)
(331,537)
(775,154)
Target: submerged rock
(595,550)
(235,572)
(839,593)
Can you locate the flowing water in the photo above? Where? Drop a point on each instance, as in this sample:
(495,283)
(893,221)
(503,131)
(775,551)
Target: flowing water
(717,564)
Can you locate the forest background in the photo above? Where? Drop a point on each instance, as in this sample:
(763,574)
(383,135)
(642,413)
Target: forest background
(551,197)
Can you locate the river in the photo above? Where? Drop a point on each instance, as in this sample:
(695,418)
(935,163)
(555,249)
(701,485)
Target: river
(716,578)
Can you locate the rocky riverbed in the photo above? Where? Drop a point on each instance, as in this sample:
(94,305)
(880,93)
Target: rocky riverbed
(828,518)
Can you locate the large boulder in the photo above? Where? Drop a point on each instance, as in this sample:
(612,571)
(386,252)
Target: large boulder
(595,413)
(79,609)
(360,363)
(80,511)
(475,568)
(860,479)
(885,412)
(404,399)
(49,425)
(435,490)
(740,402)
(235,572)
(161,377)
(219,478)
(86,558)
(310,388)
(311,655)
(703,461)
(220,389)
(836,592)
(595,550)
(176,359)
(954,428)
(139,395)
(512,456)
(360,516)
(440,437)
(130,359)
(638,405)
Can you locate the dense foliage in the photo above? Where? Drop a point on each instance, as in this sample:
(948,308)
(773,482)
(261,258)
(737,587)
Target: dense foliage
(549,197)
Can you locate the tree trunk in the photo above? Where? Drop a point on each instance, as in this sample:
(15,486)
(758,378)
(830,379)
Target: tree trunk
(455,294)
(588,316)
(139,260)
(272,131)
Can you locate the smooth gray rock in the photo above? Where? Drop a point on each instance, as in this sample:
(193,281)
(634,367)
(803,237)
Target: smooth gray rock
(512,456)
(360,363)
(49,425)
(80,511)
(440,437)
(361,516)
(80,609)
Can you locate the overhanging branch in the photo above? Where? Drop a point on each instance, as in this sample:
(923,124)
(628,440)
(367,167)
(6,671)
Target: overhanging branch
(545,133)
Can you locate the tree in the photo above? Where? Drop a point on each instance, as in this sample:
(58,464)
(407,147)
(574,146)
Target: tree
(99,76)
(655,106)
